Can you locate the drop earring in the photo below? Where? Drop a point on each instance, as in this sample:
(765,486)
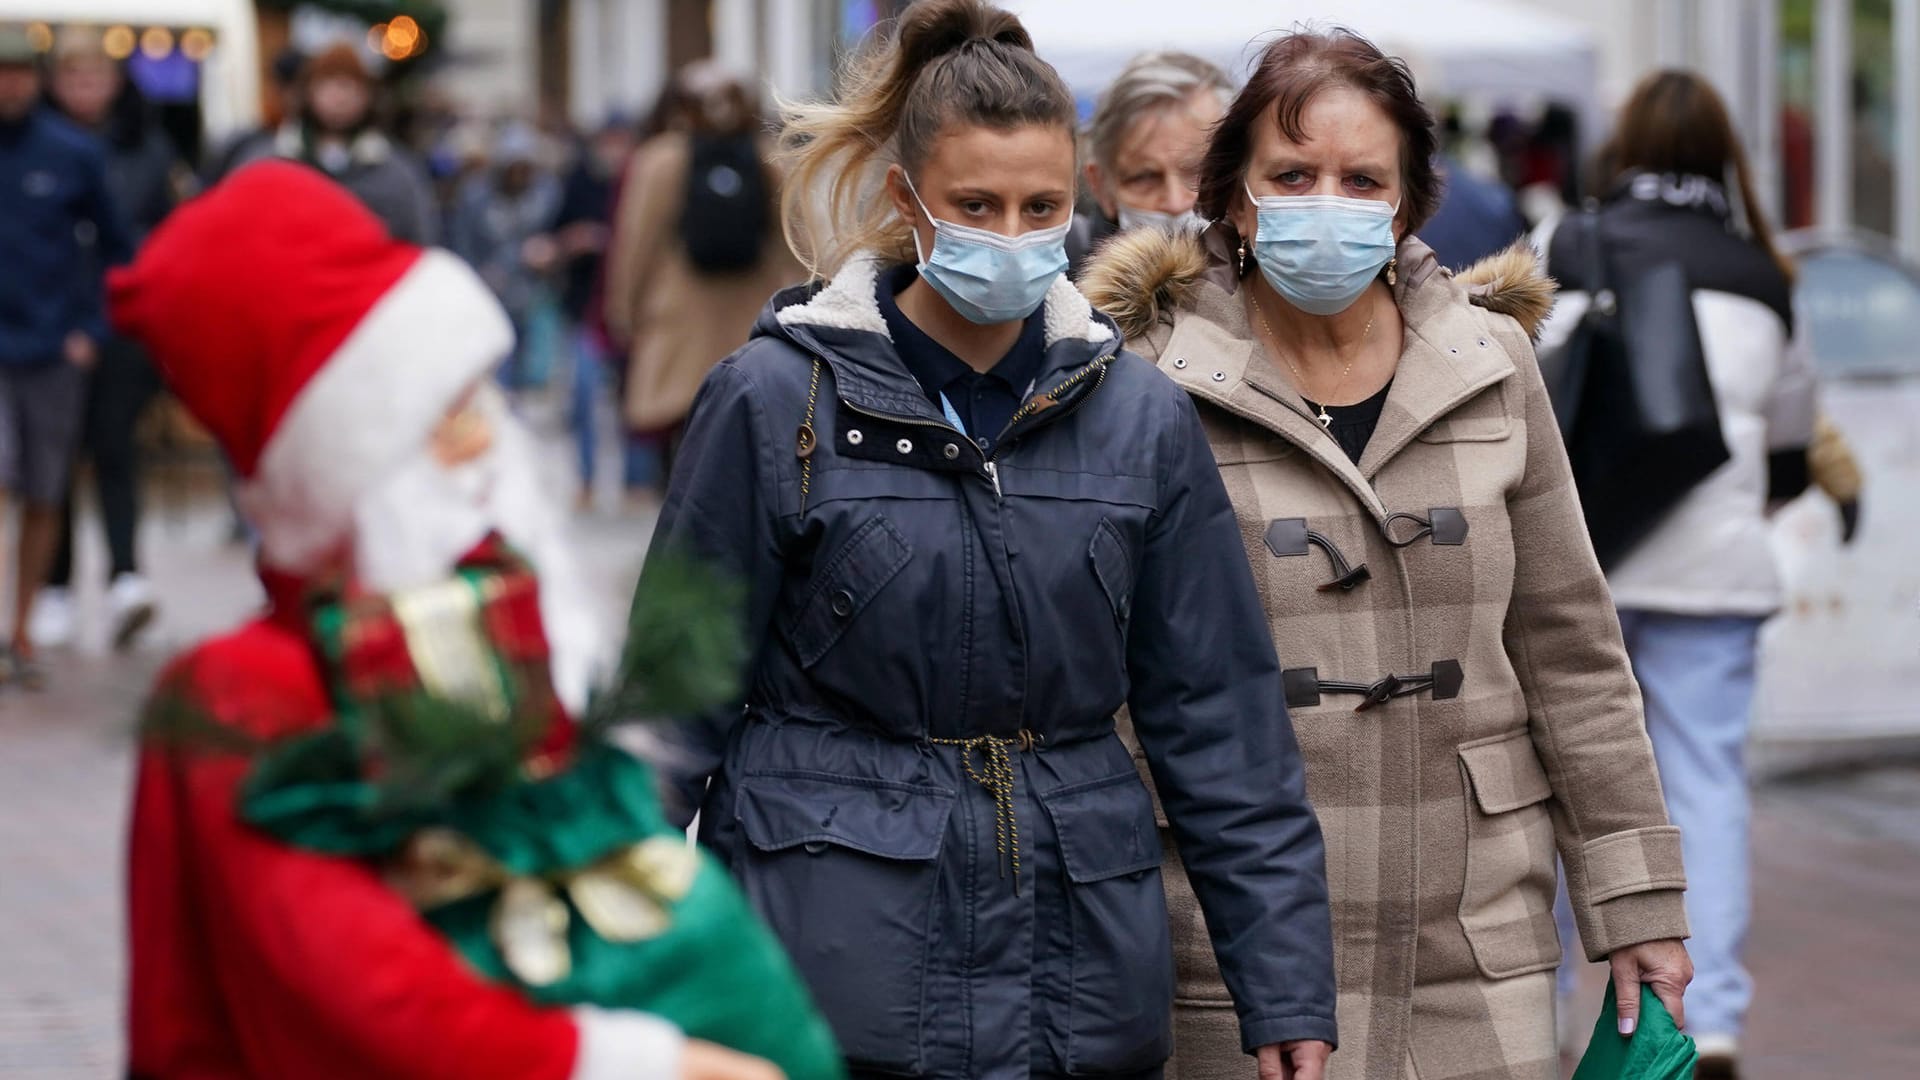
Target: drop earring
(1241,258)
(1393,278)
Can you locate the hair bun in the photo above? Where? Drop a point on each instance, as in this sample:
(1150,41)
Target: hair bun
(931,29)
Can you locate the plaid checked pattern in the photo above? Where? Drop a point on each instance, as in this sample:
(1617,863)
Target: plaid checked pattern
(1441,817)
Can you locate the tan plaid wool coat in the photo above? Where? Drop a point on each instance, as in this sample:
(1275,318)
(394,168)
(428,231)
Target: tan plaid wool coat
(1502,722)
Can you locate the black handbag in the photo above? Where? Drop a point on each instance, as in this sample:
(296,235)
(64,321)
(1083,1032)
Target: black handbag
(1631,393)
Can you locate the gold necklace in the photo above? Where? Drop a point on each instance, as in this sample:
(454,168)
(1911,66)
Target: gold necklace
(1299,380)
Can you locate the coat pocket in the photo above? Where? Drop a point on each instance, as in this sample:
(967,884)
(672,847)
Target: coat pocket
(1119,1018)
(1506,907)
(1114,569)
(842,588)
(844,870)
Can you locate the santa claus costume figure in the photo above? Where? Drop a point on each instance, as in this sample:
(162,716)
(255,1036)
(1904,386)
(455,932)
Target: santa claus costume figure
(368,838)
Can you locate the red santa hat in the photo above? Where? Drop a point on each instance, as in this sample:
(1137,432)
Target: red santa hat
(319,351)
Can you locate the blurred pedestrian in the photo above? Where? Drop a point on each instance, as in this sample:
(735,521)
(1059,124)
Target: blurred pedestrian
(1453,663)
(333,129)
(59,232)
(581,233)
(284,103)
(1476,218)
(500,226)
(1144,146)
(696,250)
(1694,593)
(991,530)
(92,91)
(297,889)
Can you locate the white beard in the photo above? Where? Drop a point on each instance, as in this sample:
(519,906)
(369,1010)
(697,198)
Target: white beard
(415,527)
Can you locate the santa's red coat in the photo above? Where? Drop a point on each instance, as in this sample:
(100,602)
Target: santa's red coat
(251,958)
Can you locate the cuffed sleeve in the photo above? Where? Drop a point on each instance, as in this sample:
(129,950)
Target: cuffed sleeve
(1210,715)
(1616,924)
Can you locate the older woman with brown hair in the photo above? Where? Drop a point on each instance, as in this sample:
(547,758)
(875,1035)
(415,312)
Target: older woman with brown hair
(1453,664)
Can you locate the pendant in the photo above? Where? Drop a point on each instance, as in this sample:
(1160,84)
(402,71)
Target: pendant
(1325,418)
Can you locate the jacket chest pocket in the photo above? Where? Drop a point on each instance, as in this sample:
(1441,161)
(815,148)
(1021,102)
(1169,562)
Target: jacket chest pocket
(845,872)
(1506,908)
(1119,1018)
(843,587)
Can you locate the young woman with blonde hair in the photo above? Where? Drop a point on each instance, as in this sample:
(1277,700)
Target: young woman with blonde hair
(969,528)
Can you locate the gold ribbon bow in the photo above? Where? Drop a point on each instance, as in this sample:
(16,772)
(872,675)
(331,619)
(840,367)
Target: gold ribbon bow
(623,897)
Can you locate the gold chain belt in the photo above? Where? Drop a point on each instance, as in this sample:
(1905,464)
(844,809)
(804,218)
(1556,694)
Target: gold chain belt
(996,775)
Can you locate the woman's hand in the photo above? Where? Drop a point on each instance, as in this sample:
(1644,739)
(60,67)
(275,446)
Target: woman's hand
(1664,966)
(1304,1060)
(707,1061)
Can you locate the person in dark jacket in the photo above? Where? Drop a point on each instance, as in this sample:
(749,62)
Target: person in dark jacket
(970,527)
(334,131)
(581,232)
(90,89)
(499,224)
(56,194)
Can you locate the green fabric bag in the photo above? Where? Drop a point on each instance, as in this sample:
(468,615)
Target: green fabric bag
(1658,1050)
(705,961)
(555,873)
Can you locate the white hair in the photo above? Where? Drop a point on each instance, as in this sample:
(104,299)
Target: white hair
(1149,83)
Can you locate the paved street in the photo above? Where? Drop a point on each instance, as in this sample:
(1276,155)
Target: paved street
(1834,949)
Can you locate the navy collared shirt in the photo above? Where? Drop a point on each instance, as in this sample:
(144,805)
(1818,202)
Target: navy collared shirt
(986,402)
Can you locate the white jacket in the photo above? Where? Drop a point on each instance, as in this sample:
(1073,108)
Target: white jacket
(1711,555)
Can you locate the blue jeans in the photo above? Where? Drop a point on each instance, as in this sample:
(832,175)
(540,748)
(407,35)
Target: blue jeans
(1697,675)
(639,460)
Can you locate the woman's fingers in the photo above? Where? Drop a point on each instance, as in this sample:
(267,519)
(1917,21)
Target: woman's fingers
(1662,966)
(1626,993)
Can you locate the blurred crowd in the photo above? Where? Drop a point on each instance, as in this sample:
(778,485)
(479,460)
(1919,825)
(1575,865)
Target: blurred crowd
(581,236)
(577,233)
(631,258)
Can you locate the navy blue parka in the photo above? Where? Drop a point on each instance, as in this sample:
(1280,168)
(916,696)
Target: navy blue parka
(923,793)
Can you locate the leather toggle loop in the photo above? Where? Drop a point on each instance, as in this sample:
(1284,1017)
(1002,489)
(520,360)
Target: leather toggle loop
(1446,524)
(1291,537)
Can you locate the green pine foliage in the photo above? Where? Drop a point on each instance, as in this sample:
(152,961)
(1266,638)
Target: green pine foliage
(409,758)
(686,651)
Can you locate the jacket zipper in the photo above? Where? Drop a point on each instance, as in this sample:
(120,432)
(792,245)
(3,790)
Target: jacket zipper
(1097,368)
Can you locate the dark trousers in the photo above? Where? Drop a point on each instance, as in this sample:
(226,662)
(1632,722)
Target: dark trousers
(119,390)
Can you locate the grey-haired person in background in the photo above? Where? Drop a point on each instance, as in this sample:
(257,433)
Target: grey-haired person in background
(1143,148)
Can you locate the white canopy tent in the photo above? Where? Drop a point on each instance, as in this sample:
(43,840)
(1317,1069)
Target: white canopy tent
(1486,50)
(229,77)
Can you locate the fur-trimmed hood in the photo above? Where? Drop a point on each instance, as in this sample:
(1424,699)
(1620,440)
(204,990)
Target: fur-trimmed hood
(1140,278)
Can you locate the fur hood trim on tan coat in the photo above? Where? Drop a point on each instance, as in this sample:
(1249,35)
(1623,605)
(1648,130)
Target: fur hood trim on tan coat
(1141,277)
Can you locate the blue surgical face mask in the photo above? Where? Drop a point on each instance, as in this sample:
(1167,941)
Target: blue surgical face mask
(987,277)
(1181,224)
(1320,252)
